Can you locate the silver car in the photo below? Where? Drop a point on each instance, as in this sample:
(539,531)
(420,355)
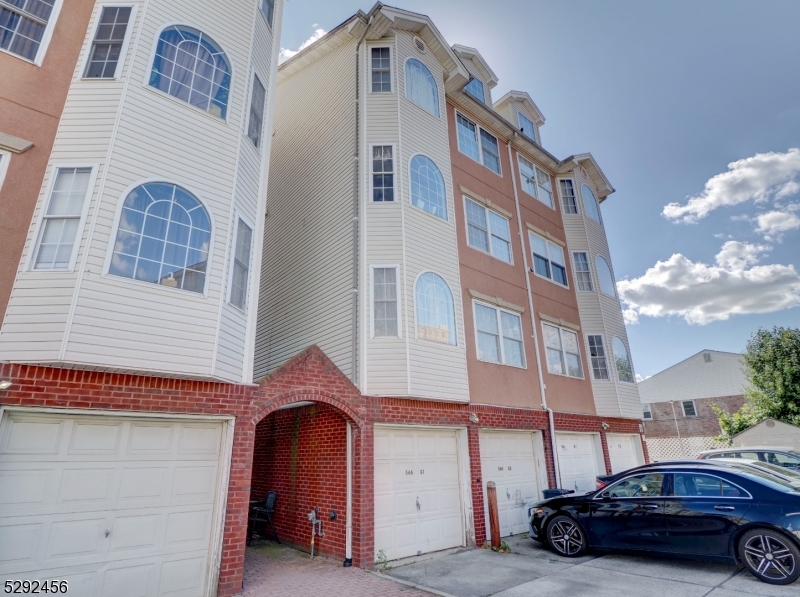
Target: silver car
(784,457)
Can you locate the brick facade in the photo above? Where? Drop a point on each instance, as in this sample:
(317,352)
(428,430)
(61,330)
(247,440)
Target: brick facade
(705,424)
(299,452)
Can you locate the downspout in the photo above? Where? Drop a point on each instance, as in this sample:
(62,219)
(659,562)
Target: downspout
(542,386)
(348,542)
(356,204)
(675,418)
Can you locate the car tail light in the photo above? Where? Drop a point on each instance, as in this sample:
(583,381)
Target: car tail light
(599,484)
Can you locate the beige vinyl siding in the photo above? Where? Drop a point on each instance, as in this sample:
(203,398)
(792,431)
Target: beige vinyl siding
(599,313)
(306,279)
(386,363)
(436,370)
(475,74)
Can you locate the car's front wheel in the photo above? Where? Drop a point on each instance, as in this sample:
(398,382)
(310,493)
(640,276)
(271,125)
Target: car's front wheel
(770,556)
(567,537)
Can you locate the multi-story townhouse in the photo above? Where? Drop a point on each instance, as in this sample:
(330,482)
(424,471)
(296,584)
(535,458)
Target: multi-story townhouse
(126,394)
(414,233)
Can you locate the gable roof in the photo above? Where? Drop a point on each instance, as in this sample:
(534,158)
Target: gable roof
(525,100)
(587,161)
(471,54)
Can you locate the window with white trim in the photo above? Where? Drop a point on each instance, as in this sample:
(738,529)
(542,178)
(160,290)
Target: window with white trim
(163,237)
(384,301)
(563,353)
(382,173)
(23,24)
(590,203)
(597,356)
(427,186)
(189,66)
(477,143)
(568,203)
(475,89)
(381,67)
(647,412)
(488,231)
(583,275)
(689,408)
(421,87)
(535,181)
(268,10)
(548,259)
(257,99)
(622,360)
(436,319)
(605,277)
(499,335)
(241,264)
(108,40)
(526,126)
(62,218)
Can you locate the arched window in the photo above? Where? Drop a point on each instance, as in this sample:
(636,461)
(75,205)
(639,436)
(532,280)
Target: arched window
(605,277)
(436,319)
(191,67)
(421,86)
(163,237)
(590,203)
(624,369)
(427,186)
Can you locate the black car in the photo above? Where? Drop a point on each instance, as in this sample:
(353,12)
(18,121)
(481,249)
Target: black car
(720,513)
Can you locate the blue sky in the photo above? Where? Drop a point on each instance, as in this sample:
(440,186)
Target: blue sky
(665,96)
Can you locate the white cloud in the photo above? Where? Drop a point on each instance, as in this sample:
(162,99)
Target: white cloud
(286,53)
(773,224)
(756,178)
(702,293)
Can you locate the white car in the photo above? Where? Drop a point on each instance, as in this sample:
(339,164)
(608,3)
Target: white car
(785,457)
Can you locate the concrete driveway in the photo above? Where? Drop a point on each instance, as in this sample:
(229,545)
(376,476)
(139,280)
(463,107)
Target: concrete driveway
(532,571)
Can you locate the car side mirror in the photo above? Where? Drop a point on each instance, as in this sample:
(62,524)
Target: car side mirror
(605,495)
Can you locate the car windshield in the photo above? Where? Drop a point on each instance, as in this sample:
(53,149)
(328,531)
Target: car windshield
(780,471)
(765,478)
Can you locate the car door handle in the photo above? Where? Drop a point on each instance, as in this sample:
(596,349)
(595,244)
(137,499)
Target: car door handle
(651,506)
(724,508)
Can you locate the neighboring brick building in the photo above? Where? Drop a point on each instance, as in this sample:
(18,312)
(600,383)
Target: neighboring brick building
(679,420)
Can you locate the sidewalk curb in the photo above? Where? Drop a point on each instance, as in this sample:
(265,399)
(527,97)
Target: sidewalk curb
(411,584)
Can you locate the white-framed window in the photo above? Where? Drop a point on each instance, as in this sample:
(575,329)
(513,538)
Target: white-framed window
(548,260)
(436,319)
(689,408)
(622,360)
(597,356)
(478,144)
(563,352)
(191,67)
(257,101)
(526,126)
(590,207)
(110,39)
(488,231)
(475,89)
(26,27)
(421,87)
(647,412)
(381,69)
(58,233)
(382,173)
(498,335)
(535,181)
(268,10)
(385,302)
(569,205)
(427,186)
(583,275)
(605,277)
(163,237)
(240,276)
(5,160)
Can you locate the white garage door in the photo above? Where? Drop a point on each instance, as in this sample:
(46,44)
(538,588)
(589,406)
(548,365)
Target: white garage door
(622,451)
(508,459)
(417,492)
(117,506)
(577,460)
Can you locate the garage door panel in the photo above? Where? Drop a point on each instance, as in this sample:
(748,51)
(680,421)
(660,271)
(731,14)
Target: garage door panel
(577,461)
(22,488)
(95,438)
(143,484)
(33,436)
(182,578)
(81,486)
(194,482)
(135,581)
(150,439)
(622,452)
(199,440)
(18,543)
(135,532)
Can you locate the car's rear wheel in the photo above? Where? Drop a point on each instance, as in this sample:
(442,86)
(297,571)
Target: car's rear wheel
(566,537)
(770,556)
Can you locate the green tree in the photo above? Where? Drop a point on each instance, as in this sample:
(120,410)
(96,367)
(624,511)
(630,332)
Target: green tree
(772,366)
(733,423)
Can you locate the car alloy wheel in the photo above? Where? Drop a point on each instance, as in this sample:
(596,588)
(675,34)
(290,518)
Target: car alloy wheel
(566,536)
(770,557)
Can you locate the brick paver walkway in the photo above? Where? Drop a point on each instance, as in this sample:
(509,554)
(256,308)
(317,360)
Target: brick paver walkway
(274,570)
